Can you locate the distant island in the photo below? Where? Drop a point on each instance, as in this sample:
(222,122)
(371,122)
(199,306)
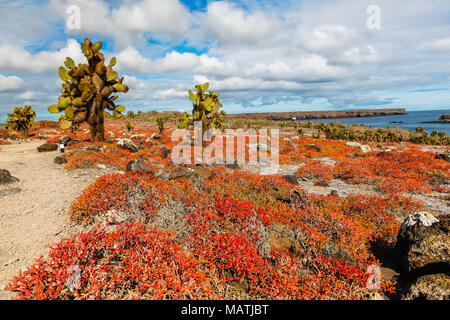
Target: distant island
(445,118)
(304,115)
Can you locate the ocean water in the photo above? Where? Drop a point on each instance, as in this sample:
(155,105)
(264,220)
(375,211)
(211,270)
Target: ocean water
(411,120)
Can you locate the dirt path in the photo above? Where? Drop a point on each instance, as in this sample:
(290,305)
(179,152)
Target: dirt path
(33,211)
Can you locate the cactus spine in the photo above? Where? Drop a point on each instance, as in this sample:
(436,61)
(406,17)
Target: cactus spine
(87,89)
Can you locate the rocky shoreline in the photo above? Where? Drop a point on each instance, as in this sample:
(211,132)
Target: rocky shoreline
(305,115)
(445,118)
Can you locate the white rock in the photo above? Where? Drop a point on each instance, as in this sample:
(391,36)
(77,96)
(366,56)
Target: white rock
(353,144)
(127,144)
(365,148)
(423,217)
(101,166)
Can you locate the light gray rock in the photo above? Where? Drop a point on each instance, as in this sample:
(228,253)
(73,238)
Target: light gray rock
(155,136)
(423,217)
(353,144)
(137,164)
(127,144)
(365,148)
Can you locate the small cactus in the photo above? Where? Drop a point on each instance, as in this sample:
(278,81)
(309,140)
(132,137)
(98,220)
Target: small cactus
(129,126)
(160,123)
(21,120)
(205,109)
(87,89)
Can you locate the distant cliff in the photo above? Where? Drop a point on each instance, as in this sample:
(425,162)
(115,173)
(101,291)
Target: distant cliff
(305,115)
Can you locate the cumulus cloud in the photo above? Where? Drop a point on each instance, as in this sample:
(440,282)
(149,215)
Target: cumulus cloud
(130,21)
(17,59)
(169,94)
(438,44)
(231,24)
(10,83)
(27,95)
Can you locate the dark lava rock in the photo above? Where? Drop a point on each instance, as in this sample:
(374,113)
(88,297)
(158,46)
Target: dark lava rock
(94,148)
(60,160)
(313,146)
(423,246)
(291,178)
(6,177)
(46,147)
(164,152)
(184,172)
(8,137)
(332,250)
(429,287)
(443,156)
(282,241)
(137,164)
(73,142)
(232,165)
(321,184)
(64,140)
(358,154)
(334,193)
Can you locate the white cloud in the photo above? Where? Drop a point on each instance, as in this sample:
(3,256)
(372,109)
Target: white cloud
(170,94)
(231,24)
(243,84)
(328,38)
(131,21)
(361,55)
(438,44)
(309,68)
(27,95)
(10,83)
(166,16)
(130,60)
(17,59)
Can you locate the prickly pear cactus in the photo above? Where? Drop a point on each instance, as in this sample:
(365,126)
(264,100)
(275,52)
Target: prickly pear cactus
(205,108)
(160,123)
(87,89)
(21,119)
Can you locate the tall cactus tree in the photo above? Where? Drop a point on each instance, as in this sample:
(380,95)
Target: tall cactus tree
(86,91)
(206,107)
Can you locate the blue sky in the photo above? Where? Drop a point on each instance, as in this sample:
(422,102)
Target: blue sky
(261,55)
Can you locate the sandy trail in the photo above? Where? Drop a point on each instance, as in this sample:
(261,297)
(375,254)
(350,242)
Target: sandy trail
(33,211)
